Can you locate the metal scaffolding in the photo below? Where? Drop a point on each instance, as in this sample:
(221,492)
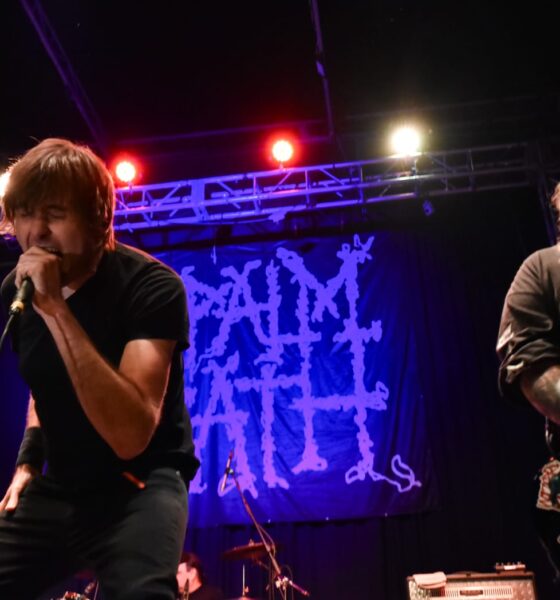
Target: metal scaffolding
(274,194)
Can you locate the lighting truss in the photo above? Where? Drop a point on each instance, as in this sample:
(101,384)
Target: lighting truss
(274,194)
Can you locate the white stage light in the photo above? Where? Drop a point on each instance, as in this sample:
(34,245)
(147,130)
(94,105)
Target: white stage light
(405,141)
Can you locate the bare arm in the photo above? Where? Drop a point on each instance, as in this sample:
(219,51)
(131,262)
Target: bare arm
(32,418)
(23,473)
(123,404)
(541,386)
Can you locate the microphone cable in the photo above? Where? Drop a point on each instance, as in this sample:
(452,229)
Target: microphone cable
(22,297)
(7,329)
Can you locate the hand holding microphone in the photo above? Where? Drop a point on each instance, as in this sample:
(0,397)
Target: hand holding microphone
(22,296)
(38,277)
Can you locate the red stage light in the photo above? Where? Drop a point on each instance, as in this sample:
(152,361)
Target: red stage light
(282,150)
(126,172)
(126,169)
(282,147)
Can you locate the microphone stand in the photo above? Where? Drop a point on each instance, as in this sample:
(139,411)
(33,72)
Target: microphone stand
(275,573)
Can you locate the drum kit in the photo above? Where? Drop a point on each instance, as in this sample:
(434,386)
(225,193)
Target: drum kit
(253,551)
(278,582)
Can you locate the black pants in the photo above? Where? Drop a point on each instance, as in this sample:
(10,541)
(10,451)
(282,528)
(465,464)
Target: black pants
(130,538)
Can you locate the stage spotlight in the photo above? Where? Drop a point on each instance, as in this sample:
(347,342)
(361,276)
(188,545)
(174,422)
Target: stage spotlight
(405,141)
(282,151)
(125,172)
(4,178)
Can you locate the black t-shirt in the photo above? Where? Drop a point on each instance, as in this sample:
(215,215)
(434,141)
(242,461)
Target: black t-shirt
(530,334)
(131,296)
(530,325)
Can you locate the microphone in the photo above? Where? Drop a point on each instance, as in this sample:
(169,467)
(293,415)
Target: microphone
(227,471)
(22,297)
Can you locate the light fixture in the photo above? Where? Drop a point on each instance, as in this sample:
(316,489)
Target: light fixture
(126,169)
(4,178)
(282,148)
(406,141)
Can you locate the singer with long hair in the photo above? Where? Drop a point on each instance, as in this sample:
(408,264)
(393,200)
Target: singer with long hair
(101,479)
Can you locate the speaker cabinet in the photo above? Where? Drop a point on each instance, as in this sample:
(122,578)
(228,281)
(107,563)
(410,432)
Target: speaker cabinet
(479,586)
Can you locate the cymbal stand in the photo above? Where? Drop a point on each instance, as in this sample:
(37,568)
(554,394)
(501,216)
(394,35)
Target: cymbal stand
(276,578)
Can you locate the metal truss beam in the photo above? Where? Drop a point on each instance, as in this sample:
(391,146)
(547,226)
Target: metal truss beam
(273,194)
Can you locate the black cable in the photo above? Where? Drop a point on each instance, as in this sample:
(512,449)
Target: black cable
(6,330)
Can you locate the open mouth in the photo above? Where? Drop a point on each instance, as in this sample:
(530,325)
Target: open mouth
(51,250)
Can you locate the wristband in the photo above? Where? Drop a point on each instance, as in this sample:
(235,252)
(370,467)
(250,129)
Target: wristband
(32,449)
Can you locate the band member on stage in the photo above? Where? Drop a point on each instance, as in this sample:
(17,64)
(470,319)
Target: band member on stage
(529,349)
(192,580)
(102,473)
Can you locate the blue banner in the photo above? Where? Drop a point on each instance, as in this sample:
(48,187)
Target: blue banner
(303,363)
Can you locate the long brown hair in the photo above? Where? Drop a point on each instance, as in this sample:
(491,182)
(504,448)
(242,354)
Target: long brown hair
(59,169)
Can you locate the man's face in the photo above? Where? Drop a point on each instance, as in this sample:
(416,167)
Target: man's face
(57,228)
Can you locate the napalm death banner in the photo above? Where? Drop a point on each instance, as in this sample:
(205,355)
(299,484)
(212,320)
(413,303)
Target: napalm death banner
(303,364)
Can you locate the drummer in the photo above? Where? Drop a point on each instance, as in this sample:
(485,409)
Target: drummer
(192,580)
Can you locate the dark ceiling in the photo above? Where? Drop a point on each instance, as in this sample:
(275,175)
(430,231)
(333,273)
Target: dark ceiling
(194,86)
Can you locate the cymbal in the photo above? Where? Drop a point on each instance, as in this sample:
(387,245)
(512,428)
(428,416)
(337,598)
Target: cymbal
(250,551)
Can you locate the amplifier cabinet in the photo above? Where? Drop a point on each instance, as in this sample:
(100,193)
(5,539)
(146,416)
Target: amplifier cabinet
(479,586)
